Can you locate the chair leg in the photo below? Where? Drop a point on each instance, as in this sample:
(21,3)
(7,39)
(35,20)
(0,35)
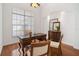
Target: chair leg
(23,51)
(19,49)
(60,51)
(57,52)
(19,52)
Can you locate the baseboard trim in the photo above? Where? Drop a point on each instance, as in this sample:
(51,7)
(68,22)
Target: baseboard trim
(74,47)
(10,44)
(67,43)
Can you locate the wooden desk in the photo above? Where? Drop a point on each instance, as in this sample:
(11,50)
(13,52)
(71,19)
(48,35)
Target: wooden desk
(26,40)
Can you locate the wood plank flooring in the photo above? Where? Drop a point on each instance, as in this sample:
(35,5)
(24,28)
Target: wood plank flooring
(66,50)
(69,50)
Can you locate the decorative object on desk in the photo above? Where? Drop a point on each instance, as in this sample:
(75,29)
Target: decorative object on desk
(35,5)
(28,33)
(56,26)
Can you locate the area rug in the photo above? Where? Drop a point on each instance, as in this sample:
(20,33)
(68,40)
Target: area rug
(15,52)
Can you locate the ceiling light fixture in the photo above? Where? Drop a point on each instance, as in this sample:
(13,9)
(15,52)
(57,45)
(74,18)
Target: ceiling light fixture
(35,5)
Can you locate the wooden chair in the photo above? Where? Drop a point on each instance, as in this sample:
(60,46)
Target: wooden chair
(39,49)
(56,47)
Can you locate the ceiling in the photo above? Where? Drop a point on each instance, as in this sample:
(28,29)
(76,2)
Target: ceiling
(44,6)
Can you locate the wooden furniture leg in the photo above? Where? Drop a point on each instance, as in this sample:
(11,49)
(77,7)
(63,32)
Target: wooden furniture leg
(19,49)
(23,51)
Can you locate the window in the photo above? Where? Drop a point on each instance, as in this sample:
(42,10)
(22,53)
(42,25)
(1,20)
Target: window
(21,21)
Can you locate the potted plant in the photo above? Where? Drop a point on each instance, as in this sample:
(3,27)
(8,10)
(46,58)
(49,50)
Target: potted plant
(58,28)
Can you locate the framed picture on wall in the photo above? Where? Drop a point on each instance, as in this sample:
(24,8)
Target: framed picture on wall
(56,26)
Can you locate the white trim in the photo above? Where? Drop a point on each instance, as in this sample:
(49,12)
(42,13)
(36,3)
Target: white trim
(9,43)
(75,47)
(67,43)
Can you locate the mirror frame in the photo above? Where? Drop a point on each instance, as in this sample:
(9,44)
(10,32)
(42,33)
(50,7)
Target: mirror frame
(56,26)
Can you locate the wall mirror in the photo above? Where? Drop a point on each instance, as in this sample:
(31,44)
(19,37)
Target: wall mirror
(51,25)
(56,26)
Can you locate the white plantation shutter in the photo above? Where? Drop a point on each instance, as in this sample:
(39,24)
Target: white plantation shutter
(21,21)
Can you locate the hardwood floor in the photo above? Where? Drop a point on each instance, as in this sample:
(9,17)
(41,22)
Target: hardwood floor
(69,50)
(66,50)
(6,51)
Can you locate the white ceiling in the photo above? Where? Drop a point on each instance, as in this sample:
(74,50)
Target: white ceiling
(58,6)
(44,6)
(25,6)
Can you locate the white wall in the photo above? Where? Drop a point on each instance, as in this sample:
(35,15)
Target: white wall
(37,20)
(68,27)
(66,15)
(7,25)
(76,45)
(0,27)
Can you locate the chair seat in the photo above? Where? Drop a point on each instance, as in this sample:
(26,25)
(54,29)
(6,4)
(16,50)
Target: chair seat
(29,53)
(54,44)
(38,51)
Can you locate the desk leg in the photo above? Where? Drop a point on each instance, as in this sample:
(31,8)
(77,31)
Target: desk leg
(23,51)
(19,49)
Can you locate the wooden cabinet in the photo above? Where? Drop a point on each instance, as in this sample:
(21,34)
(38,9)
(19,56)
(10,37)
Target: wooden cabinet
(54,35)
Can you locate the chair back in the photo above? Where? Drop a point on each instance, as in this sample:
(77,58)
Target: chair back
(40,48)
(56,44)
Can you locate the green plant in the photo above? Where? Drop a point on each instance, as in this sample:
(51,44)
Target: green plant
(58,28)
